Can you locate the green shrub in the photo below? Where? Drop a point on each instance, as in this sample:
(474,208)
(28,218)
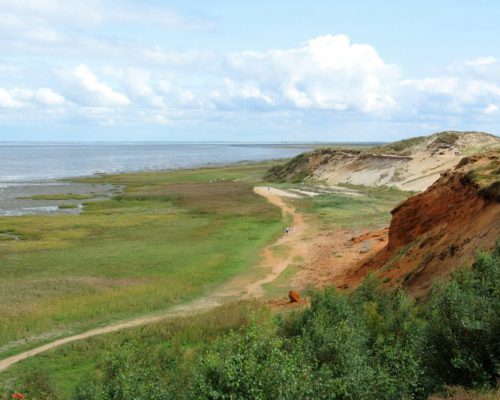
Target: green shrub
(256,364)
(464,325)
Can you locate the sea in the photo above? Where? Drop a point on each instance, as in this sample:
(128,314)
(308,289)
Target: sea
(29,169)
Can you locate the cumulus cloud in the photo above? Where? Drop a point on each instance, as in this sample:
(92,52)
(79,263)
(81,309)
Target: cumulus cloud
(98,92)
(469,86)
(481,62)
(7,101)
(327,73)
(491,109)
(21,97)
(49,97)
(325,77)
(239,94)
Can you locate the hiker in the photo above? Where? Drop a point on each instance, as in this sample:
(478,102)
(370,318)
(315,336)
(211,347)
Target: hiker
(287,229)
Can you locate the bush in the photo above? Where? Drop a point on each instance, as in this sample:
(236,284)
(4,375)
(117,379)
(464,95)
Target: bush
(463,334)
(256,365)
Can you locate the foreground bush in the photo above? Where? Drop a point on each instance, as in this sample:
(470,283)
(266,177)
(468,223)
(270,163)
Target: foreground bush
(463,334)
(367,345)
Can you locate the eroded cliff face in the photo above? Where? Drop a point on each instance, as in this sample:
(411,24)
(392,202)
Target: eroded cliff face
(445,205)
(436,231)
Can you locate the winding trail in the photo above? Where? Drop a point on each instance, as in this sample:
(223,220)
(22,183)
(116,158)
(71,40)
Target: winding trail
(293,242)
(235,288)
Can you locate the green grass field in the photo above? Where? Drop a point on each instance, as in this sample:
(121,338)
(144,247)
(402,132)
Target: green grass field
(171,236)
(372,209)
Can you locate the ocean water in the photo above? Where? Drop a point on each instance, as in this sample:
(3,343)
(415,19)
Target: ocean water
(28,162)
(29,169)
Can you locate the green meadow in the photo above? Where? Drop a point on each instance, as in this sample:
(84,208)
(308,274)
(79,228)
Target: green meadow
(167,238)
(370,209)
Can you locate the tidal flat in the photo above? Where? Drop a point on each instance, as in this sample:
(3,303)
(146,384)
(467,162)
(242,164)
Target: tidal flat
(47,197)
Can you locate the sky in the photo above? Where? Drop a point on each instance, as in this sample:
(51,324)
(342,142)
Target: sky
(260,71)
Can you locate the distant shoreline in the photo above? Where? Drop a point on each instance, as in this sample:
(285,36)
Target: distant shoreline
(39,197)
(36,162)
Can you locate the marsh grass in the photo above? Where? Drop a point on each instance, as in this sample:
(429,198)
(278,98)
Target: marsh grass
(160,242)
(67,206)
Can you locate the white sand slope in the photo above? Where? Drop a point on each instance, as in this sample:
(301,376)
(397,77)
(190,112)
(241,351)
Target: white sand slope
(414,168)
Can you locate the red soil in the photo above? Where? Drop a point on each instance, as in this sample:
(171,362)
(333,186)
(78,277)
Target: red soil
(434,232)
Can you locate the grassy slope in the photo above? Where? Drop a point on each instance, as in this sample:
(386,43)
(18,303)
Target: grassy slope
(372,209)
(157,244)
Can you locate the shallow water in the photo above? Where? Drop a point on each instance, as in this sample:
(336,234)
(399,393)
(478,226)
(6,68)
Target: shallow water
(15,197)
(28,169)
(21,162)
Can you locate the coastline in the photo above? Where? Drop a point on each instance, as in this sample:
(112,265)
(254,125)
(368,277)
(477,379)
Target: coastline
(33,197)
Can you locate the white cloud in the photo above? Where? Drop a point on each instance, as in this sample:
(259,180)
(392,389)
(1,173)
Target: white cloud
(445,84)
(49,97)
(242,94)
(470,88)
(21,97)
(327,73)
(81,14)
(137,83)
(7,101)
(481,62)
(491,109)
(160,119)
(166,86)
(100,91)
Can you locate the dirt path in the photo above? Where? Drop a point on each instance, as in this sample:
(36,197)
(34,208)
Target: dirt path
(292,241)
(233,289)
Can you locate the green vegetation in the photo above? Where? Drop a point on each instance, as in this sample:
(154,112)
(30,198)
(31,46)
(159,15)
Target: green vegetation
(8,234)
(67,206)
(295,170)
(486,178)
(401,147)
(281,285)
(370,344)
(371,209)
(60,196)
(446,138)
(168,238)
(169,346)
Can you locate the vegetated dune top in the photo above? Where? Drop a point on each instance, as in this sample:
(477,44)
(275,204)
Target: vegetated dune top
(411,164)
(442,228)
